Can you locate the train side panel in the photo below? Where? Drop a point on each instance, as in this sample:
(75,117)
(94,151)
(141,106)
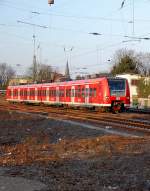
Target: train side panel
(102,92)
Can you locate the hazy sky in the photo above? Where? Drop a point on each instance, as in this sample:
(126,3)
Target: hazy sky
(68,24)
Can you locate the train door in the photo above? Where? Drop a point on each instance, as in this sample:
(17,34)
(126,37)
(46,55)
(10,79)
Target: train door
(57,94)
(87,94)
(47,94)
(36,94)
(28,93)
(11,94)
(72,94)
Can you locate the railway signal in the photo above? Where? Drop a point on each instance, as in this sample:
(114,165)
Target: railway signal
(50,2)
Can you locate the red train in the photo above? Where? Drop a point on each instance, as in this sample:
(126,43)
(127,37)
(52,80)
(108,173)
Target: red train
(101,93)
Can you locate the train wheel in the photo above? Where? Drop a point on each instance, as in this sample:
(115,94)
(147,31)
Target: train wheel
(116,108)
(122,108)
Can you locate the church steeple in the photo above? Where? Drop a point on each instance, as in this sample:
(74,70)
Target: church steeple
(67,73)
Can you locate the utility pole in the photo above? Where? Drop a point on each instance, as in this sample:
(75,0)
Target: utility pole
(34,68)
(34,61)
(133,18)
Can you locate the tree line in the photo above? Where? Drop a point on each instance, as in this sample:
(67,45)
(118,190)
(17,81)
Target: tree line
(123,61)
(128,61)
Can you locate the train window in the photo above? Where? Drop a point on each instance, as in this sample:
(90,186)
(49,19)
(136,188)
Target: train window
(86,92)
(15,93)
(94,92)
(83,92)
(53,93)
(91,92)
(28,92)
(11,92)
(32,92)
(39,92)
(25,93)
(117,87)
(21,92)
(78,92)
(68,93)
(50,93)
(61,93)
(44,93)
(73,93)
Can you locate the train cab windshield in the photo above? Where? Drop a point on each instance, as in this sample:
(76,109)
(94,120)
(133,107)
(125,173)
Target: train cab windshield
(117,87)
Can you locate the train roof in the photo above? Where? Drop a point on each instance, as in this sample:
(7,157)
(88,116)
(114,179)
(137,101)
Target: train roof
(96,80)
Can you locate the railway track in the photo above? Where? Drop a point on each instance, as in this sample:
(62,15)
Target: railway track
(134,110)
(105,120)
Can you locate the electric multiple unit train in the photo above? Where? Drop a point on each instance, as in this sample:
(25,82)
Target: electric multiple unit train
(111,93)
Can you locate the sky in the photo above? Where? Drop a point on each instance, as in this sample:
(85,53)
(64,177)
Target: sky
(65,31)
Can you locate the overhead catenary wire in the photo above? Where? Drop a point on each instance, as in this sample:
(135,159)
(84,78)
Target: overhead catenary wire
(73,16)
(41,12)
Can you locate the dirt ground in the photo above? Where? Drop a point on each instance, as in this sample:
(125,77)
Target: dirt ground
(70,158)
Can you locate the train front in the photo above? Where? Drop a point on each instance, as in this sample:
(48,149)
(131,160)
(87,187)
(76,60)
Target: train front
(119,94)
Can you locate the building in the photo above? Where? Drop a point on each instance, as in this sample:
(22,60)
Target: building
(19,80)
(133,80)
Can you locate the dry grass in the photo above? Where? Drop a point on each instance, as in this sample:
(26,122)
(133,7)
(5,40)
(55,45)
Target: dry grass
(31,151)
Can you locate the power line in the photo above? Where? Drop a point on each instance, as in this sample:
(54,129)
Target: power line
(73,16)
(92,51)
(32,24)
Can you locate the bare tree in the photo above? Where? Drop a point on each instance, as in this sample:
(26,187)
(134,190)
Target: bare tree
(6,73)
(44,73)
(144,58)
